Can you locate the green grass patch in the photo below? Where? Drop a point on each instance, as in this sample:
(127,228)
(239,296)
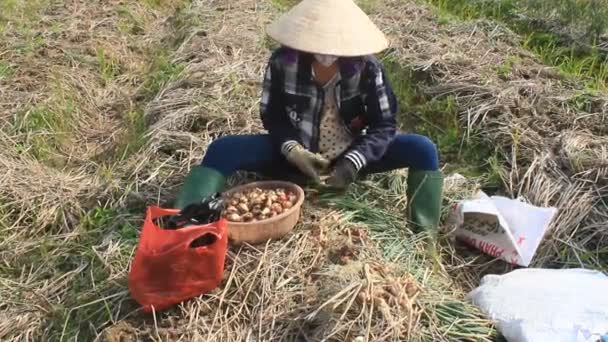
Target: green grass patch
(134,138)
(475,9)
(109,65)
(439,119)
(506,68)
(591,67)
(133,22)
(30,42)
(6,70)
(588,65)
(152,3)
(584,101)
(161,71)
(90,264)
(185,22)
(270,44)
(587,16)
(284,5)
(164,4)
(129,23)
(46,127)
(21,13)
(368,6)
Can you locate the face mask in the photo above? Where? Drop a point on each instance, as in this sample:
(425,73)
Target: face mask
(326,60)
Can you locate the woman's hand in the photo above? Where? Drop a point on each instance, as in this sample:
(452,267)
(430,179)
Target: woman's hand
(307,162)
(343,175)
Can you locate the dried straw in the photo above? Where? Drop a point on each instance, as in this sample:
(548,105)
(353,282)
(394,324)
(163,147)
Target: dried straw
(553,148)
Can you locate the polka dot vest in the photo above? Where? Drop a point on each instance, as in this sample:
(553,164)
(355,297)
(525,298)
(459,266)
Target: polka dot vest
(334,139)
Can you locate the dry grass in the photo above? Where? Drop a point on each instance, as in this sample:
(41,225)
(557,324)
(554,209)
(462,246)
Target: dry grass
(268,294)
(69,119)
(299,290)
(98,137)
(111,104)
(548,129)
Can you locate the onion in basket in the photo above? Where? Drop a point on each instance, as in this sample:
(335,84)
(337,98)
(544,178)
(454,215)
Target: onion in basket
(259,204)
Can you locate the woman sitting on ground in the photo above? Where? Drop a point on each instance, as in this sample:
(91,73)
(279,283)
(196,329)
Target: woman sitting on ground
(327,105)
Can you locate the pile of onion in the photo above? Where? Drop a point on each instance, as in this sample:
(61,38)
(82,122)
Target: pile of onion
(258,204)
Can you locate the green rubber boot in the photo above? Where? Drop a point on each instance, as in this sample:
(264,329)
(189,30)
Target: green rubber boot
(200,183)
(424,194)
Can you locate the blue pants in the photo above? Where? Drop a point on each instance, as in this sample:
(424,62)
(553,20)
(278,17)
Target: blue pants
(257,153)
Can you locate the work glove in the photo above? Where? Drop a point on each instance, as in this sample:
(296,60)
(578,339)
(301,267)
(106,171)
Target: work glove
(307,162)
(343,175)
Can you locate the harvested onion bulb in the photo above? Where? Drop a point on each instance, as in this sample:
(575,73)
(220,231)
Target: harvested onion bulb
(259,204)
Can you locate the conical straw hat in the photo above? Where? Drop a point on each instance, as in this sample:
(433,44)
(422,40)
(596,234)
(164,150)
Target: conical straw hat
(331,27)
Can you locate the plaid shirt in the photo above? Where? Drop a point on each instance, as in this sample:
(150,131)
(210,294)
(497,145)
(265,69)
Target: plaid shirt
(292,101)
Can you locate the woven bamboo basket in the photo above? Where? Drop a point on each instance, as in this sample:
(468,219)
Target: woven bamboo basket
(273,228)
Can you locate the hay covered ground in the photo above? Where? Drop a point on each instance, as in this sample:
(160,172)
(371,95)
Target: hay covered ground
(104,107)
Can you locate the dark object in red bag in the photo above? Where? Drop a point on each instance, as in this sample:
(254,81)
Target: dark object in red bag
(171,266)
(207,211)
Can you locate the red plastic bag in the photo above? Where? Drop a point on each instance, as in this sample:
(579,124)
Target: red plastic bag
(167,270)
